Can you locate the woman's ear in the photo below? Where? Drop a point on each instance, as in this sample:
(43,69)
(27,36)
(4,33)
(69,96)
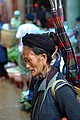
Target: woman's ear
(44,58)
(54,54)
(56,48)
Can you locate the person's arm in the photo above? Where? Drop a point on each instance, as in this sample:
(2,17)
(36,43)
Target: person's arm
(18,35)
(12,22)
(68,103)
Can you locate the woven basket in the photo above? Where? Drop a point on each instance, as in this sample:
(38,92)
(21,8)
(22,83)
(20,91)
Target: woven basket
(8,38)
(78,91)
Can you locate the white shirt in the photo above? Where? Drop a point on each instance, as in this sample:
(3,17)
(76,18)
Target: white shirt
(24,29)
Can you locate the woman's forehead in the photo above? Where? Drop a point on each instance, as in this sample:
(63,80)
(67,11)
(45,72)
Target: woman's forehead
(27,51)
(25,47)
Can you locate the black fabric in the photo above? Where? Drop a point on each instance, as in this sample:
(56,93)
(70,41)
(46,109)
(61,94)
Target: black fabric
(2,70)
(39,40)
(52,72)
(36,109)
(29,16)
(37,98)
(66,99)
(38,82)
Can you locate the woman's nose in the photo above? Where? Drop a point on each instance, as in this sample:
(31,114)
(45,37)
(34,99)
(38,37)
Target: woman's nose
(27,65)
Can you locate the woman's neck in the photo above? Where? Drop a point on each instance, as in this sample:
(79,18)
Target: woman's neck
(45,71)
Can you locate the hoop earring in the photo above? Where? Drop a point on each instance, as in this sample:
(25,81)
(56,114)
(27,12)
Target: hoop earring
(54,60)
(58,56)
(43,73)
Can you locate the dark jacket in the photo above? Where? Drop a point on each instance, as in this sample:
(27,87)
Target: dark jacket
(46,108)
(3,50)
(3,54)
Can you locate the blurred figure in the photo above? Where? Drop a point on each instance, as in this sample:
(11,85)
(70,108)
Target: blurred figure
(77,33)
(50,23)
(77,46)
(16,20)
(3,56)
(78,21)
(3,11)
(1,23)
(3,61)
(41,16)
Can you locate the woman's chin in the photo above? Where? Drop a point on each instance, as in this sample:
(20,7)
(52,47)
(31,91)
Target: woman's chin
(33,74)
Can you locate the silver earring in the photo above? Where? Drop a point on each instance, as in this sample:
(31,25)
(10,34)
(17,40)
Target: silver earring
(43,74)
(58,56)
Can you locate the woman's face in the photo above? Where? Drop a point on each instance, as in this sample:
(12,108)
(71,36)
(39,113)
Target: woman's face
(35,63)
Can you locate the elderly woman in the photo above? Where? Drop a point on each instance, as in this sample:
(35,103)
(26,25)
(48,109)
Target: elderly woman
(38,52)
(51,101)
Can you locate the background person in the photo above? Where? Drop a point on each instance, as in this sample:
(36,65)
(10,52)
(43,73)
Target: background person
(16,20)
(3,61)
(41,16)
(77,34)
(3,56)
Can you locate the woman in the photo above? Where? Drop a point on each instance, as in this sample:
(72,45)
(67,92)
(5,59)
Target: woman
(38,52)
(41,56)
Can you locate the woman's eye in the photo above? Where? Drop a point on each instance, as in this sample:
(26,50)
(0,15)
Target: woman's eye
(27,60)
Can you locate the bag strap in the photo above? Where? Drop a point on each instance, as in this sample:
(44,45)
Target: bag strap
(48,87)
(78,93)
(55,87)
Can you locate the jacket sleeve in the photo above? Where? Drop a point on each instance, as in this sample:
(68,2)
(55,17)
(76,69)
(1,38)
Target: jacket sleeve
(68,103)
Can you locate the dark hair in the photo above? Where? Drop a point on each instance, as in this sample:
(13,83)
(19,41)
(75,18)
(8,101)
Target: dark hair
(39,51)
(29,16)
(78,19)
(53,37)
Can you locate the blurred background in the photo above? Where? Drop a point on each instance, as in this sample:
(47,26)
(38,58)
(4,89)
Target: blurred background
(71,8)
(12,15)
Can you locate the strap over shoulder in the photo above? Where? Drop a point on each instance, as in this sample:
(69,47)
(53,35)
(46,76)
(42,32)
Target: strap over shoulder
(55,87)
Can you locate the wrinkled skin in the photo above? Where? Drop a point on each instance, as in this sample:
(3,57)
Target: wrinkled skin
(35,63)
